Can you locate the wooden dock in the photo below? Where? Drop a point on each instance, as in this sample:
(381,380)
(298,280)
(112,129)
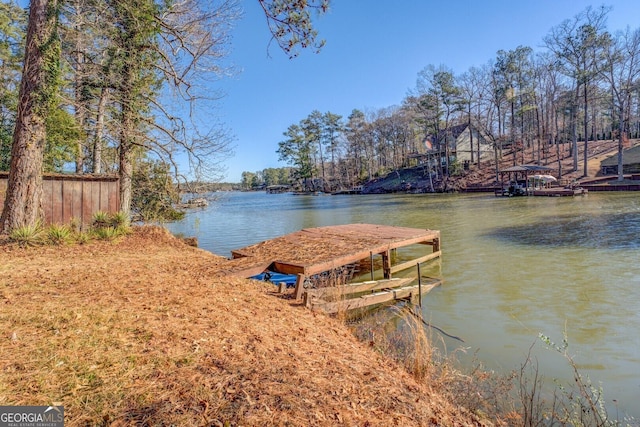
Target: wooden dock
(315,252)
(558,191)
(365,294)
(547,192)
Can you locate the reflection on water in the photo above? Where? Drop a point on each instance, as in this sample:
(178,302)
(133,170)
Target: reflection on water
(610,231)
(513,268)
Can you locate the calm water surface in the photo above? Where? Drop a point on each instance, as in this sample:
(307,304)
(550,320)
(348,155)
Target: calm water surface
(513,268)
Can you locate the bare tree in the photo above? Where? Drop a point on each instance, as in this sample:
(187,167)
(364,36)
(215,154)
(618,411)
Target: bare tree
(576,43)
(150,46)
(621,71)
(471,86)
(550,87)
(291,23)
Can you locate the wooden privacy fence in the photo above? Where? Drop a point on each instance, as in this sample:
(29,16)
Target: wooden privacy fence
(69,197)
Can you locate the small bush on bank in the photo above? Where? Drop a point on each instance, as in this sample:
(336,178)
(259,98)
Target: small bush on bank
(109,227)
(104,226)
(119,220)
(100,220)
(82,238)
(107,233)
(27,235)
(59,234)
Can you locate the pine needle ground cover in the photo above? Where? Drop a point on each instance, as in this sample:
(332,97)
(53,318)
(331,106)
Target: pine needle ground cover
(147,331)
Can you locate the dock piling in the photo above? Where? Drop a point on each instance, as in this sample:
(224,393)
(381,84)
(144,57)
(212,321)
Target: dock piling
(419,286)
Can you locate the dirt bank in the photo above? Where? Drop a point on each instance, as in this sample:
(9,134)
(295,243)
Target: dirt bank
(146,332)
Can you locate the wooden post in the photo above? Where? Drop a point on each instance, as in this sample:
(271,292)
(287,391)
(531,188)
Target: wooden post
(282,287)
(299,286)
(386,264)
(419,286)
(372,271)
(436,244)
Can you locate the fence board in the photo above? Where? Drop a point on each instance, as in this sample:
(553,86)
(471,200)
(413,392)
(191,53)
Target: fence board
(66,197)
(51,203)
(67,200)
(113,191)
(87,201)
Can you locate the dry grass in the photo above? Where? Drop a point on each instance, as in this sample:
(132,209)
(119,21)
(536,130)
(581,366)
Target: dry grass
(401,334)
(145,331)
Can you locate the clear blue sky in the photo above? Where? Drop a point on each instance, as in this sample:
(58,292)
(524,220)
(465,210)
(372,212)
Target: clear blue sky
(373,54)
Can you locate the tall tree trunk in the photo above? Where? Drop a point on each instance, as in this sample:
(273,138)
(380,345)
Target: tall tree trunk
(127,137)
(557,132)
(539,130)
(495,155)
(480,138)
(80,106)
(574,133)
(471,136)
(126,162)
(98,143)
(586,129)
(38,89)
(620,141)
(513,135)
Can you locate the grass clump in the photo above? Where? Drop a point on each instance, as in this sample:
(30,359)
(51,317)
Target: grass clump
(28,235)
(104,226)
(107,233)
(59,234)
(119,220)
(82,237)
(110,226)
(100,220)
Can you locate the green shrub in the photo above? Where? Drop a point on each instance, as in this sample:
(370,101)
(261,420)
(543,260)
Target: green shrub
(119,220)
(75,225)
(27,235)
(107,233)
(100,220)
(109,226)
(59,234)
(81,238)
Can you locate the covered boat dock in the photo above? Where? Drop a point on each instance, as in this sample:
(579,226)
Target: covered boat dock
(330,251)
(522,179)
(518,179)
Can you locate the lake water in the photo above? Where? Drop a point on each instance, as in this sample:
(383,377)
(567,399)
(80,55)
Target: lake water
(512,268)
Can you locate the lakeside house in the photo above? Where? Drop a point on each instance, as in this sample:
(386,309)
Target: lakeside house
(461,139)
(630,162)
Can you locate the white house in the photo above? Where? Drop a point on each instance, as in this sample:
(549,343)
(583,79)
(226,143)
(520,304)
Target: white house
(460,143)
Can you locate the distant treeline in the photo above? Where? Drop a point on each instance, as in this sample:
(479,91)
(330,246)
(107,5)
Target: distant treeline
(265,178)
(582,85)
(207,187)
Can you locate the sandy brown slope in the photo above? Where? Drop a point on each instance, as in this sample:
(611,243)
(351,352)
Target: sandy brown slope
(144,332)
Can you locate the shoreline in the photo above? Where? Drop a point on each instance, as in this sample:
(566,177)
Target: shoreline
(146,328)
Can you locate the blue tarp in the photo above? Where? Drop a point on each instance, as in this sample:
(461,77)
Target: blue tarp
(277,278)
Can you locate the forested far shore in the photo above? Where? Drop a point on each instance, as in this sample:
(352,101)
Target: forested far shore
(526,105)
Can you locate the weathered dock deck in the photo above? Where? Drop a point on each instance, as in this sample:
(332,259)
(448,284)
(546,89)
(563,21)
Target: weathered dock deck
(314,251)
